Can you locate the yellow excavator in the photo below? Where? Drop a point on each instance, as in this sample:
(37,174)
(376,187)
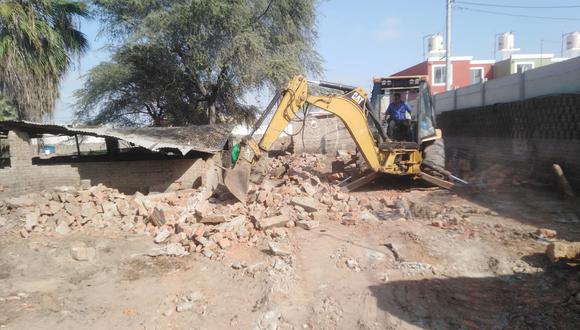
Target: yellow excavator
(420,158)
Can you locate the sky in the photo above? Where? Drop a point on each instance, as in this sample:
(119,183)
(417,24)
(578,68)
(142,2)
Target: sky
(359,40)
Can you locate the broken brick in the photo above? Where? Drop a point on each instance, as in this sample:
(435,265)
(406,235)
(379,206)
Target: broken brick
(224,243)
(276,221)
(307,203)
(212,219)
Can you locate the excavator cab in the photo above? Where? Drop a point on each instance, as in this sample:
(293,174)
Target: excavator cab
(415,92)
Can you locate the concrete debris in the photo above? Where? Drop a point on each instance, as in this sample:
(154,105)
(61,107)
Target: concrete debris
(199,220)
(307,203)
(171,249)
(308,224)
(276,221)
(279,249)
(163,235)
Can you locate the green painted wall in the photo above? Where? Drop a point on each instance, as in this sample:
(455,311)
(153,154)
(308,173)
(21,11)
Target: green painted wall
(509,66)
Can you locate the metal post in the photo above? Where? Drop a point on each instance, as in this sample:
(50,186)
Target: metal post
(448,50)
(78,147)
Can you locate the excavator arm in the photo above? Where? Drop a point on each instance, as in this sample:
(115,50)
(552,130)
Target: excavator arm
(350,108)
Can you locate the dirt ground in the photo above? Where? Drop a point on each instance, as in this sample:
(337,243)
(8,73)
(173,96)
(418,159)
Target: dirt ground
(486,271)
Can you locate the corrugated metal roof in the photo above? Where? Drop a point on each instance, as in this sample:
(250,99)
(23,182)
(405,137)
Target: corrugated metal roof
(203,138)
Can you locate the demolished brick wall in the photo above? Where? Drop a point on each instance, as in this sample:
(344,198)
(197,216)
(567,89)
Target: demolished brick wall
(526,136)
(322,135)
(127,176)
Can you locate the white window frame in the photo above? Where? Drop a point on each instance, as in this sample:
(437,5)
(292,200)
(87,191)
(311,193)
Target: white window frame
(433,74)
(480,68)
(518,63)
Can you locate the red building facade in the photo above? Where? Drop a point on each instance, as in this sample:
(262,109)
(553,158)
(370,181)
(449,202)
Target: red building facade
(464,72)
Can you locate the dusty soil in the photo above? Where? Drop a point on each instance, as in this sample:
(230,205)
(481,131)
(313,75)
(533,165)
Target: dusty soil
(485,270)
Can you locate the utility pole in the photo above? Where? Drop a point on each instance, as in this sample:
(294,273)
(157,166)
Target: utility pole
(448,48)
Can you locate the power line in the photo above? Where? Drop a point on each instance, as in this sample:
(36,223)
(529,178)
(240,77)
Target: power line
(514,6)
(517,15)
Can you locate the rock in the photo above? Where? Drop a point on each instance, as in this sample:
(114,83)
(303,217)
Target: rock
(184,306)
(31,221)
(308,224)
(80,252)
(161,214)
(207,253)
(73,209)
(352,264)
(62,228)
(307,203)
(213,219)
(277,221)
(54,207)
(348,221)
(195,296)
(23,233)
(546,233)
(279,249)
(279,232)
(237,265)
(123,207)
(563,251)
(341,196)
(269,321)
(163,234)
(200,207)
(224,243)
(309,189)
(88,210)
(202,240)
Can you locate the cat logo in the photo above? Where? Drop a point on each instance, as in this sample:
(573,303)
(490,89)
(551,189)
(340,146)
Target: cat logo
(356,98)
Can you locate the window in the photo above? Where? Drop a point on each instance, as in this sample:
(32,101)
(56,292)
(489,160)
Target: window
(523,67)
(439,74)
(4,150)
(476,75)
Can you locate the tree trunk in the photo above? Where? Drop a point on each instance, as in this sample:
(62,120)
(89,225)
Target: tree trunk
(211,113)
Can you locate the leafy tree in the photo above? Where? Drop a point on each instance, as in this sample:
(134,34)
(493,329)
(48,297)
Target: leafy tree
(7,110)
(38,42)
(225,48)
(142,85)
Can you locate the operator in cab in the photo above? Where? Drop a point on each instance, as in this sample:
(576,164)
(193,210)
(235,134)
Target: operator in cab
(398,118)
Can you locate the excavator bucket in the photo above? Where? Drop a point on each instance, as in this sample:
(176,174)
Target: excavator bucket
(237,179)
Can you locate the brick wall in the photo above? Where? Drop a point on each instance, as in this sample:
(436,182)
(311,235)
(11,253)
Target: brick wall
(323,135)
(528,136)
(127,176)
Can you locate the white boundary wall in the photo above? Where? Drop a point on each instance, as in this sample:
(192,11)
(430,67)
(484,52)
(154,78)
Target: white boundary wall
(557,78)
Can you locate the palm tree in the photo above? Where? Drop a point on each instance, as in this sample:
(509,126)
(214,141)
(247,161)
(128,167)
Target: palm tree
(39,41)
